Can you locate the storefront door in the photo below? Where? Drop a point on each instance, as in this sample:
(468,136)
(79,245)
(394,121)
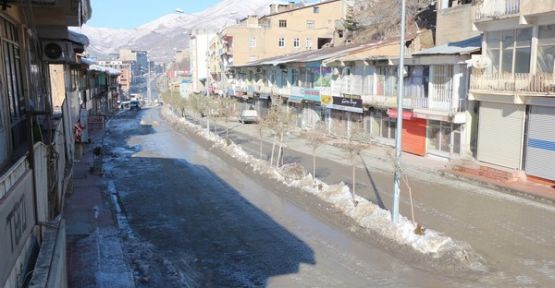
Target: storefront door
(540,145)
(414,136)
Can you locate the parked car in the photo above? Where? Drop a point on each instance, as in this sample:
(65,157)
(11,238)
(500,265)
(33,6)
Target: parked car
(249,116)
(134,105)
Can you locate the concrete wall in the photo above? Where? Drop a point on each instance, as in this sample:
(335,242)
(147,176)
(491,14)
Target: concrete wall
(455,23)
(267,36)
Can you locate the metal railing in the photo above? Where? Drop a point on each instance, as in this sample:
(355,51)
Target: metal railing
(497,8)
(513,83)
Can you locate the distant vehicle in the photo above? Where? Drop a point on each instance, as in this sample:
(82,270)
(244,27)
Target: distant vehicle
(134,105)
(124,105)
(249,116)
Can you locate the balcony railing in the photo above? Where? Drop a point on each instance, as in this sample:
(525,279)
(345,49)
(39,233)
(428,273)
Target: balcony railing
(513,83)
(10,177)
(497,8)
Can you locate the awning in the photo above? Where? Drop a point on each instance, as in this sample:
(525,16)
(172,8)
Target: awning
(463,47)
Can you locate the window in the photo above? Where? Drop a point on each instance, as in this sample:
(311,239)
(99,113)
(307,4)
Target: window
(283,23)
(316,9)
(252,42)
(281,42)
(294,77)
(444,137)
(308,44)
(296,42)
(309,24)
(509,51)
(14,82)
(253,58)
(383,126)
(546,49)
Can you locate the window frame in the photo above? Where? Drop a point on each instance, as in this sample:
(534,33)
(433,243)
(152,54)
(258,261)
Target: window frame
(296,42)
(282,23)
(281,42)
(310,24)
(252,42)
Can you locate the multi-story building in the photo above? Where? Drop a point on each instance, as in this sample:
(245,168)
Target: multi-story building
(514,83)
(125,76)
(35,143)
(287,29)
(199,55)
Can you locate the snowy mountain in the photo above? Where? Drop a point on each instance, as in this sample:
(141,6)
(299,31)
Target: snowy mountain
(171,31)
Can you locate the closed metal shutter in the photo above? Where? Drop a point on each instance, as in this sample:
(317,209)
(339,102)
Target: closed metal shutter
(414,136)
(540,150)
(500,134)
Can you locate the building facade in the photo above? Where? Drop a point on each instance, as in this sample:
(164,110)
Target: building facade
(514,85)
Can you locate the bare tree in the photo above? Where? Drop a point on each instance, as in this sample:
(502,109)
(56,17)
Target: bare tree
(226,110)
(272,122)
(355,142)
(315,138)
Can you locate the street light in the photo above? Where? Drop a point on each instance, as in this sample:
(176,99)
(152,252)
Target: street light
(399,132)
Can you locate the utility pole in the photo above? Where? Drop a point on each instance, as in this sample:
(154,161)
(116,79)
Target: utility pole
(399,132)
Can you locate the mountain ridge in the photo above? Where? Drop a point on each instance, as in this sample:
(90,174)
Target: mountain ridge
(170,32)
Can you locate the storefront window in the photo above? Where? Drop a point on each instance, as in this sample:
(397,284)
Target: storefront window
(443,136)
(384,126)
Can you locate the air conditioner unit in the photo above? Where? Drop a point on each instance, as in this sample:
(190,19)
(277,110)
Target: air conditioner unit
(58,51)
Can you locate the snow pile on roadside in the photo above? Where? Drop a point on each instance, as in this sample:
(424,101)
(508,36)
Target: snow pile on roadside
(365,213)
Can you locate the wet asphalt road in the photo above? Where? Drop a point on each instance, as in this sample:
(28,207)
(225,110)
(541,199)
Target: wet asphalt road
(207,224)
(516,236)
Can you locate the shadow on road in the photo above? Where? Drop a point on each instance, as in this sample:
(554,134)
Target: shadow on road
(198,224)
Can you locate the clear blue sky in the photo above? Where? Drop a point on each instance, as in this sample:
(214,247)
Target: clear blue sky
(133,13)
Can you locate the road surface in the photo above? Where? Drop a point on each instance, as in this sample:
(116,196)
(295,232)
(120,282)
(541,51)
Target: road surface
(195,219)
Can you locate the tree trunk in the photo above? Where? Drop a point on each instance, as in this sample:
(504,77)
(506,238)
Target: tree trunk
(353,190)
(314,163)
(260,146)
(273,150)
(280,149)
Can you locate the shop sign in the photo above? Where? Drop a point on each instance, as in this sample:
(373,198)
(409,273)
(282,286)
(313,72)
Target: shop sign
(295,99)
(407,114)
(347,104)
(311,94)
(297,91)
(326,100)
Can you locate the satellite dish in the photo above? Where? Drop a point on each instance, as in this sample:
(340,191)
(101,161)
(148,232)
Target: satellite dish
(479,62)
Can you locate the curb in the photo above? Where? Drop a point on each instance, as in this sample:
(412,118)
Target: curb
(498,187)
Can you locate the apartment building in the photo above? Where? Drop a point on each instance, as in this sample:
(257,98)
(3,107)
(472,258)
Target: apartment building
(514,83)
(125,75)
(199,44)
(287,29)
(35,143)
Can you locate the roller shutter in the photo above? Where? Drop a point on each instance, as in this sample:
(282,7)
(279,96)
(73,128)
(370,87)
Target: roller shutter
(414,136)
(540,145)
(500,134)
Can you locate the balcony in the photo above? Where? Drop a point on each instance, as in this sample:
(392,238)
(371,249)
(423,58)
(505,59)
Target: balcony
(493,9)
(513,84)
(11,177)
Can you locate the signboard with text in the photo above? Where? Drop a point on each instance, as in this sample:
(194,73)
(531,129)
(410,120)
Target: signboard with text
(350,104)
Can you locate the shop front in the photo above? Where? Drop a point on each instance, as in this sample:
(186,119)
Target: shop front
(540,145)
(500,134)
(414,132)
(346,115)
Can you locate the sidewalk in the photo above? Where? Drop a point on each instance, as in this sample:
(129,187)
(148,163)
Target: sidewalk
(378,156)
(94,249)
